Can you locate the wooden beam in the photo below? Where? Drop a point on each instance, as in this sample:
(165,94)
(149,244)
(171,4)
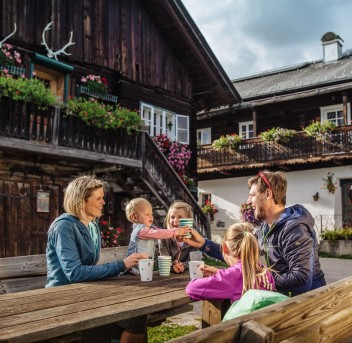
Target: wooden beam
(254,332)
(62,152)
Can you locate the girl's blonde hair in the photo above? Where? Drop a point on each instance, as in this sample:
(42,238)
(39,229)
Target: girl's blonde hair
(242,243)
(135,204)
(78,191)
(178,205)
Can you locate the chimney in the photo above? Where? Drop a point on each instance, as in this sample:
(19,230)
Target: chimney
(332,47)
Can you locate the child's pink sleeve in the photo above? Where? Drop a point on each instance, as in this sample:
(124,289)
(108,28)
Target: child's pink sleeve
(149,233)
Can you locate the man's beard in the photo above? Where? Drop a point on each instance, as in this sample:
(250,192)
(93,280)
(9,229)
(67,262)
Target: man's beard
(259,214)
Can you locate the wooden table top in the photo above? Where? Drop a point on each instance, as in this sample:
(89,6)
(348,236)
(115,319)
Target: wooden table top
(46,313)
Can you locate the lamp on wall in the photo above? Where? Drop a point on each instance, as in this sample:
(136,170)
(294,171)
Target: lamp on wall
(43,200)
(169,125)
(316,196)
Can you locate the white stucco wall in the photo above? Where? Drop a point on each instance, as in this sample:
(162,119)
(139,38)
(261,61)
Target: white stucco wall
(228,194)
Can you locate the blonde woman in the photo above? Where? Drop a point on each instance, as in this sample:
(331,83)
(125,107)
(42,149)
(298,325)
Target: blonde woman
(177,249)
(241,252)
(74,242)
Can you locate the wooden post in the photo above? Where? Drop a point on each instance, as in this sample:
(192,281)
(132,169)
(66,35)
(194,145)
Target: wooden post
(213,311)
(254,332)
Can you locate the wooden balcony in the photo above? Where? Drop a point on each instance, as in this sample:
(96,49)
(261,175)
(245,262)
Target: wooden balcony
(25,127)
(300,153)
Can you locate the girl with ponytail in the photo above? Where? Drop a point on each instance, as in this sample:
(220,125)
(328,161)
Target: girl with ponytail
(241,252)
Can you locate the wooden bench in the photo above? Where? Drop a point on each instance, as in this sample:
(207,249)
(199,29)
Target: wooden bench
(23,273)
(321,315)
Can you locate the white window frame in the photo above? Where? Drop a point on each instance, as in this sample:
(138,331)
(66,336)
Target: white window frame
(245,134)
(202,134)
(334,108)
(162,121)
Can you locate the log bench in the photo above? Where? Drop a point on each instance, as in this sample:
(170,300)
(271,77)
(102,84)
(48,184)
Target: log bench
(23,273)
(321,315)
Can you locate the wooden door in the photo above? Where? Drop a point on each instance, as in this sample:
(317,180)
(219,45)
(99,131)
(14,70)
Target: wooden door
(23,230)
(346,187)
(14,218)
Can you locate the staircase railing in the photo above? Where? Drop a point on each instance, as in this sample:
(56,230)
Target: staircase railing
(165,183)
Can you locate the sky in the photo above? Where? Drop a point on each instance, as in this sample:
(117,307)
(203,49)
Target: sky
(253,36)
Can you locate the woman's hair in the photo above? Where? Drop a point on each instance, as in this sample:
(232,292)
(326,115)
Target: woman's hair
(79,190)
(135,204)
(178,205)
(242,243)
(277,182)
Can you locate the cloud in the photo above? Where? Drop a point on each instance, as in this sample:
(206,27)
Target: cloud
(252,36)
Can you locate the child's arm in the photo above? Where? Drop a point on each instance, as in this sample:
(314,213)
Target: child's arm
(225,284)
(157,233)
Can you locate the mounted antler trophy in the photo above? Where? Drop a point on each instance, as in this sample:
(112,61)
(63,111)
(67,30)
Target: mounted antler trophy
(52,53)
(6,38)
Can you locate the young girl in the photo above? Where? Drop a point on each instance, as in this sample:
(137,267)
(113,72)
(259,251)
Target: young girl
(177,249)
(241,252)
(139,211)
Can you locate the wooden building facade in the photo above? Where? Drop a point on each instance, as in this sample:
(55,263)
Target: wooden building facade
(154,59)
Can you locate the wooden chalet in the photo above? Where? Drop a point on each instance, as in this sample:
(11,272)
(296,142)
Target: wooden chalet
(290,98)
(154,59)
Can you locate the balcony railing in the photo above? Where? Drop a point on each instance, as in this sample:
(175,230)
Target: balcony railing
(52,126)
(256,151)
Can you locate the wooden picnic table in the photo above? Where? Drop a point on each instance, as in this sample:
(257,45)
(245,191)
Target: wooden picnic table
(43,314)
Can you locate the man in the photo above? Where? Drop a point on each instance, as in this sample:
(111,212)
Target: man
(286,237)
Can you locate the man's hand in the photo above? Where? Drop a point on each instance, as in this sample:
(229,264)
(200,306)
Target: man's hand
(197,240)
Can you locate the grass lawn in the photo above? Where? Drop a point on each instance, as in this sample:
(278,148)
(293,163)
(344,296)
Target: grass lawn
(164,333)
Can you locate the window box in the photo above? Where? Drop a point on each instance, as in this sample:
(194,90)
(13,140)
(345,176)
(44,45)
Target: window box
(13,70)
(103,96)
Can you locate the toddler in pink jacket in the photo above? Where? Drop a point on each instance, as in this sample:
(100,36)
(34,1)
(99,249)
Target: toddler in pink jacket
(241,252)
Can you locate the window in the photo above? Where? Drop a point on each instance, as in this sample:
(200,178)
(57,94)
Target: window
(55,74)
(204,136)
(334,114)
(246,129)
(161,121)
(52,79)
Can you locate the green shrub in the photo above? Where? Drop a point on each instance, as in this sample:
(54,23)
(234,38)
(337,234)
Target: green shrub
(228,141)
(93,112)
(28,90)
(321,131)
(338,234)
(278,135)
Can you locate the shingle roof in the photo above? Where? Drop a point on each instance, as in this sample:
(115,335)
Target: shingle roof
(295,78)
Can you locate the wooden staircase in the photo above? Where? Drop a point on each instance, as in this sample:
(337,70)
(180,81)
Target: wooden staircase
(158,182)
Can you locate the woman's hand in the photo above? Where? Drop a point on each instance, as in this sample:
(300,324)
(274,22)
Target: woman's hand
(178,267)
(209,270)
(196,241)
(132,260)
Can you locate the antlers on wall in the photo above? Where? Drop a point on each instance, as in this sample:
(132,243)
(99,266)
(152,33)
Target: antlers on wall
(6,38)
(52,53)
